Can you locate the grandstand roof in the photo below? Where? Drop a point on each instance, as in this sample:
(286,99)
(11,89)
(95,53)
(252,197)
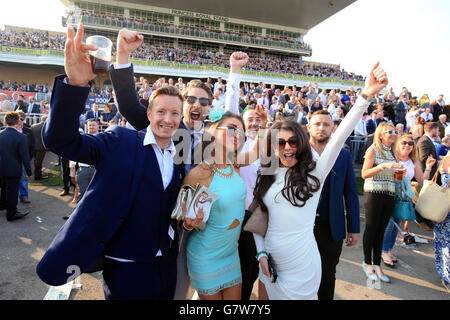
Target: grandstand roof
(302,14)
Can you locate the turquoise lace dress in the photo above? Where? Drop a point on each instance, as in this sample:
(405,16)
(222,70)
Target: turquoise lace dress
(212,255)
(442,241)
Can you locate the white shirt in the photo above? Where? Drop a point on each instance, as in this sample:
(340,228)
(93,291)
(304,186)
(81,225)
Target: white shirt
(427,117)
(249,173)
(164,157)
(361,129)
(217,104)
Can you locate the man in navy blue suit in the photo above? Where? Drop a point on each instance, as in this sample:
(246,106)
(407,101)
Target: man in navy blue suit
(14,158)
(332,220)
(94,113)
(124,216)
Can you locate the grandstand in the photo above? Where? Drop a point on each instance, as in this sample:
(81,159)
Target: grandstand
(190,39)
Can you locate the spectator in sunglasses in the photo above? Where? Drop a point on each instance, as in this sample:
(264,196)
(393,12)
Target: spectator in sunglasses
(406,155)
(379,190)
(291,195)
(212,255)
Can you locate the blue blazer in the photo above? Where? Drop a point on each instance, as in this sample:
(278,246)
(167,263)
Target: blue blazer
(13,153)
(103,214)
(343,182)
(90,115)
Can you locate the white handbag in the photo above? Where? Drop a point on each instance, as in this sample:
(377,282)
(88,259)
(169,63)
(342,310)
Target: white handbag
(184,196)
(433,202)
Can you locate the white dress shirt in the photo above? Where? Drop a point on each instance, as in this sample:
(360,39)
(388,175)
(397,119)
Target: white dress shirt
(427,117)
(361,129)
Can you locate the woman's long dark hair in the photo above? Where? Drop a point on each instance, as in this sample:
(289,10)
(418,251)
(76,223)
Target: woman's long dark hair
(298,188)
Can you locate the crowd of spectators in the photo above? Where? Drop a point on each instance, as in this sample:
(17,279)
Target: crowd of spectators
(181,28)
(198,56)
(9,85)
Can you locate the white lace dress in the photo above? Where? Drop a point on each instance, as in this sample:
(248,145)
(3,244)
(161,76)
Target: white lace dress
(290,238)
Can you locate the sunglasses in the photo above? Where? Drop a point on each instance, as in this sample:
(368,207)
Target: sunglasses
(391,132)
(292,141)
(232,131)
(204,102)
(409,143)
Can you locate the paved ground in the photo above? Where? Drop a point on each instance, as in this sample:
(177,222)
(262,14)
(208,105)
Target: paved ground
(23,243)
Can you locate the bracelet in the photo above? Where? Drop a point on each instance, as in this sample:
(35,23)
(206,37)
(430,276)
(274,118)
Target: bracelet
(185,228)
(427,170)
(260,254)
(260,137)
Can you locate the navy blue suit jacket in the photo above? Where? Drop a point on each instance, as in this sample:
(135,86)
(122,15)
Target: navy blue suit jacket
(343,182)
(90,115)
(13,153)
(120,159)
(371,126)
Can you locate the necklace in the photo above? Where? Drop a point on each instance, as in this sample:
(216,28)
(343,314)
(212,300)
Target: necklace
(219,172)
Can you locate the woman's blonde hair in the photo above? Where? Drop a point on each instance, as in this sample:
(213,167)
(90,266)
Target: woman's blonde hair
(404,136)
(382,127)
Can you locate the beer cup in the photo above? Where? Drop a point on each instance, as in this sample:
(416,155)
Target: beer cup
(101,58)
(399,174)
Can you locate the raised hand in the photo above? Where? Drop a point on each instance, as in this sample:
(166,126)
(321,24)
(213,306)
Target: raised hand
(376,81)
(127,42)
(262,113)
(238,60)
(76,62)
(430,162)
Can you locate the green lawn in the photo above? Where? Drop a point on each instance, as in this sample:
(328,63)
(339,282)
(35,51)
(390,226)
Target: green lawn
(54,178)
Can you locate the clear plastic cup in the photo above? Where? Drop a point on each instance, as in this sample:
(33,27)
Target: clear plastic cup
(101,58)
(400,174)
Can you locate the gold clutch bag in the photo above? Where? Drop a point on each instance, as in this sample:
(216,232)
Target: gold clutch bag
(184,196)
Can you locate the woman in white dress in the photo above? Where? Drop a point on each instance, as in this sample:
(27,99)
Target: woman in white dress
(291,196)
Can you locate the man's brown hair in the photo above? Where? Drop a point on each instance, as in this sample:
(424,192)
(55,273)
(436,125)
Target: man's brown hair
(429,126)
(198,84)
(12,118)
(165,91)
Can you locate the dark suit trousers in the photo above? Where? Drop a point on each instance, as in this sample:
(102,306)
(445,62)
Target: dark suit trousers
(65,170)
(330,252)
(249,263)
(140,281)
(38,159)
(9,195)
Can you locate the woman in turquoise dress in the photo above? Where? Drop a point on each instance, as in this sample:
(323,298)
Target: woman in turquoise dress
(442,233)
(212,255)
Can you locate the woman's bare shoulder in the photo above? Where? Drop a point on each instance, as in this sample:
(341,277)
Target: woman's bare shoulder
(200,174)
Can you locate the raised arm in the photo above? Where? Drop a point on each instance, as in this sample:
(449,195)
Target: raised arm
(376,81)
(122,79)
(238,60)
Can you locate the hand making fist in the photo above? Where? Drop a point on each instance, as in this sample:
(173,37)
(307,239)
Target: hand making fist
(127,42)
(238,60)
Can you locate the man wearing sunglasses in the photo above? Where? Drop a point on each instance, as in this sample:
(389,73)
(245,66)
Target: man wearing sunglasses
(197,102)
(331,219)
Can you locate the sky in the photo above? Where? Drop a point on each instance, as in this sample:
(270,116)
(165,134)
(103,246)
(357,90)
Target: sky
(409,37)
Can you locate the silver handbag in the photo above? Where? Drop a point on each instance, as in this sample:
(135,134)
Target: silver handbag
(184,196)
